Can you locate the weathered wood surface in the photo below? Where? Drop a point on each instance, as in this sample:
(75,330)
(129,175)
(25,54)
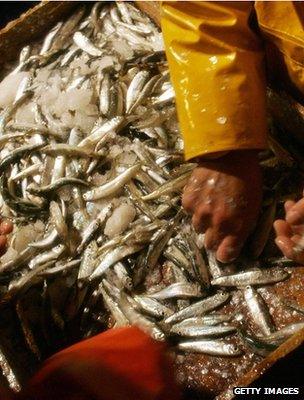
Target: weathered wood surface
(29,27)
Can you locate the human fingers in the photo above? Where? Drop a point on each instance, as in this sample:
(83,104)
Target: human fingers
(295,215)
(285,244)
(297,229)
(282,228)
(230,248)
(227,223)
(189,198)
(223,222)
(288,205)
(3,241)
(201,219)
(298,241)
(290,249)
(213,238)
(6,227)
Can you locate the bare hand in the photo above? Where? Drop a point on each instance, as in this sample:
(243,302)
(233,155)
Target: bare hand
(224,197)
(290,232)
(6,227)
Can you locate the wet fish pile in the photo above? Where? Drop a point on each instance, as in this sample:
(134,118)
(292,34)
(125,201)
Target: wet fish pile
(92,170)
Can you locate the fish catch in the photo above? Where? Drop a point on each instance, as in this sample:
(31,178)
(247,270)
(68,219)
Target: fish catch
(91,174)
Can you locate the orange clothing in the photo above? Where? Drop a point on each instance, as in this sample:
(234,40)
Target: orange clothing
(217,66)
(119,364)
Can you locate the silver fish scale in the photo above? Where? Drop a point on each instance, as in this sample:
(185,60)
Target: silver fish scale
(104,136)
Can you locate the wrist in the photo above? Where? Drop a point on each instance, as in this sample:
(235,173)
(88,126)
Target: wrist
(247,154)
(211,156)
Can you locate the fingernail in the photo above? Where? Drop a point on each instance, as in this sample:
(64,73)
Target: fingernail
(232,253)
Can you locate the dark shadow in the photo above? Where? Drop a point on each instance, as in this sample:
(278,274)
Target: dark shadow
(299,11)
(286,373)
(10,10)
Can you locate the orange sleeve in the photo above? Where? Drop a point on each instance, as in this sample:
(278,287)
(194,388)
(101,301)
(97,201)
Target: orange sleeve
(119,364)
(216,66)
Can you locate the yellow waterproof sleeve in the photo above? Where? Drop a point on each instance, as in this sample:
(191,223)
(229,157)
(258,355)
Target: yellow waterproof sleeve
(216,66)
(282,25)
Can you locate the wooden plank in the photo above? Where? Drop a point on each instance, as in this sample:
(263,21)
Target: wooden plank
(152,8)
(30,26)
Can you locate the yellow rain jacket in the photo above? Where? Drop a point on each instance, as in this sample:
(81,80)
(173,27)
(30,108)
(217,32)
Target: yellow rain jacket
(217,58)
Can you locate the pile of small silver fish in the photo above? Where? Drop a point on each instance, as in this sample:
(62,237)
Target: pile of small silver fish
(92,170)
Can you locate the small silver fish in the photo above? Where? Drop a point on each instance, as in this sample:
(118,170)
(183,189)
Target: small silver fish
(135,88)
(112,186)
(284,333)
(65,267)
(27,331)
(252,278)
(9,373)
(136,318)
(211,319)
(43,258)
(258,310)
(17,154)
(123,276)
(29,171)
(104,95)
(112,257)
(58,220)
(158,242)
(178,290)
(45,190)
(93,226)
(166,97)
(199,308)
(47,241)
(62,39)
(99,131)
(124,12)
(66,149)
(211,347)
(47,43)
(88,261)
(23,257)
(115,310)
(203,330)
(173,186)
(86,45)
(152,307)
